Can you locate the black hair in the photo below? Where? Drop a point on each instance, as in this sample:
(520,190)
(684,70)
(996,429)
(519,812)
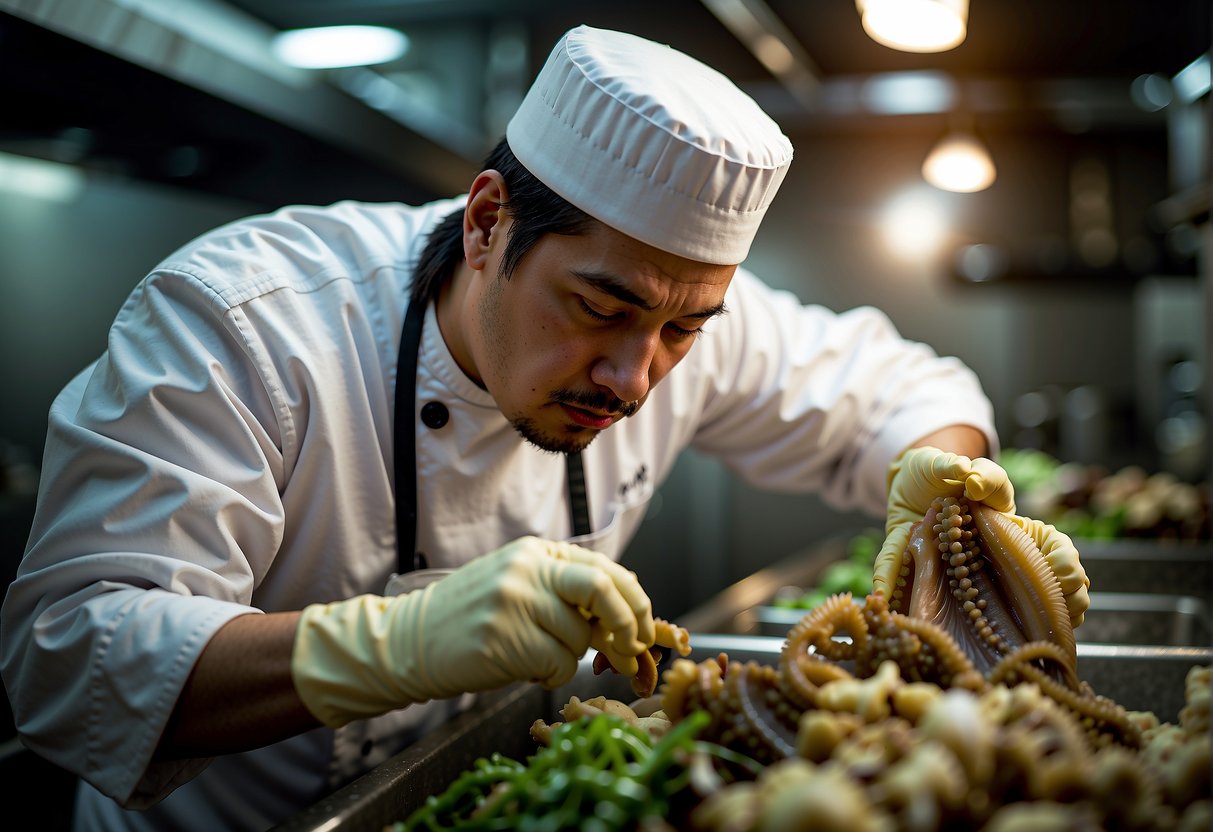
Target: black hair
(534,207)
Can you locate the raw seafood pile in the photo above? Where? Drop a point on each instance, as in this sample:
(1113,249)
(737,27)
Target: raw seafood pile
(869,753)
(917,739)
(912,756)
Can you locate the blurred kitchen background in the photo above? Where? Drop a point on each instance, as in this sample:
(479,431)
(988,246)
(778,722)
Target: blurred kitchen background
(1075,284)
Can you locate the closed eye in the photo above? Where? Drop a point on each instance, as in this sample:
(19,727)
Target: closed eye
(595,314)
(682,332)
(676,331)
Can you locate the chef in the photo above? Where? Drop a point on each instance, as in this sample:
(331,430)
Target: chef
(214,625)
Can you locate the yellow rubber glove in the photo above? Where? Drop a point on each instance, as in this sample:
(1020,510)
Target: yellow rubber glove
(919,476)
(525,612)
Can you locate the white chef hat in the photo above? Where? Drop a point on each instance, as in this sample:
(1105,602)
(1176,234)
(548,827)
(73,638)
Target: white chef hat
(651,142)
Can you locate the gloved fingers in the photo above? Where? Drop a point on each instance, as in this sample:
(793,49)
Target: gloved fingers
(601,641)
(920,475)
(1063,559)
(609,593)
(548,647)
(988,483)
(564,623)
(591,589)
(555,665)
(627,584)
(1077,604)
(935,470)
(887,567)
(947,468)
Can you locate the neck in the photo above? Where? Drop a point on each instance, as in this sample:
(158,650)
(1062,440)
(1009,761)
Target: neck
(452,308)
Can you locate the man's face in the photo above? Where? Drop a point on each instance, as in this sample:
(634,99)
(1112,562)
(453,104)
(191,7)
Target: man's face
(585,327)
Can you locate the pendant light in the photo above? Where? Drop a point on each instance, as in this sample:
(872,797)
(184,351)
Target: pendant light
(331,47)
(959,161)
(915,25)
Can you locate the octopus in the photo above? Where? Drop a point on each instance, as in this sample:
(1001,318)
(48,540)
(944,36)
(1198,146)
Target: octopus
(976,605)
(973,573)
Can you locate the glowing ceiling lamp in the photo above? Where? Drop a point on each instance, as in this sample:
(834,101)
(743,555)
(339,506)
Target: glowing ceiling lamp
(960,162)
(915,25)
(914,225)
(328,47)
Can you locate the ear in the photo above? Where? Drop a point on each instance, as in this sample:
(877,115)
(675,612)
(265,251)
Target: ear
(483,217)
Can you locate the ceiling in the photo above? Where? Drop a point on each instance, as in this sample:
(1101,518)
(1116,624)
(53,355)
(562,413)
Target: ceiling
(1018,42)
(1006,37)
(179,96)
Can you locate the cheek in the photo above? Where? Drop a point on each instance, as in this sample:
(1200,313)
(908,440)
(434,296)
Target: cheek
(550,351)
(667,359)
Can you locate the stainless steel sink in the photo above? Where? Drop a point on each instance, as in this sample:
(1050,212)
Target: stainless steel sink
(1154,566)
(1113,618)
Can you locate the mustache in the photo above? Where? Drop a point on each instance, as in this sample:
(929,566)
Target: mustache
(601,402)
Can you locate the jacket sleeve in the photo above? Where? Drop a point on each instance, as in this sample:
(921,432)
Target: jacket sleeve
(158,512)
(801,399)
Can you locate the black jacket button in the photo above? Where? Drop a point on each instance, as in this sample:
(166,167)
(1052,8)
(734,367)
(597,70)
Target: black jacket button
(435,415)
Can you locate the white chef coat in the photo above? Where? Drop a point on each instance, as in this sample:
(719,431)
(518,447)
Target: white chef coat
(231,452)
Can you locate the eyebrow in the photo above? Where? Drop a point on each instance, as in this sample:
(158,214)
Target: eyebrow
(612,286)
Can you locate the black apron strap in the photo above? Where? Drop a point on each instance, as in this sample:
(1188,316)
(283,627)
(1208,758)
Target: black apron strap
(405,441)
(579,503)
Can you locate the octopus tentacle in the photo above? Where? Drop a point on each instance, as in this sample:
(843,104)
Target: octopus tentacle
(1103,719)
(976,610)
(1027,578)
(802,676)
(923,650)
(1032,652)
(766,734)
(802,673)
(837,615)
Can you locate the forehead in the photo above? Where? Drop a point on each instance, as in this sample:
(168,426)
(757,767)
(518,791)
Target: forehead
(659,277)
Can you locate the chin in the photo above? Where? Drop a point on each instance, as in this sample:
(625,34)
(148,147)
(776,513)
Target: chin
(572,440)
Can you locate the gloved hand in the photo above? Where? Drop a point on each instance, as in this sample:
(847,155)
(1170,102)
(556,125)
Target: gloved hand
(919,476)
(922,474)
(525,612)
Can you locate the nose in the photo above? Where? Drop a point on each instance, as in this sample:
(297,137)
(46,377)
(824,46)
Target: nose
(626,366)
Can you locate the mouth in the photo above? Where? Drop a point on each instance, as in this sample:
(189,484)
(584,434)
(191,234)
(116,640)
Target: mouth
(588,418)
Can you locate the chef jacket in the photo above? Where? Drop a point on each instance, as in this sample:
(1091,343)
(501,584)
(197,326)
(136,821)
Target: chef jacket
(231,452)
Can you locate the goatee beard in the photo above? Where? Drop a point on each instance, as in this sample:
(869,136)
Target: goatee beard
(575,440)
